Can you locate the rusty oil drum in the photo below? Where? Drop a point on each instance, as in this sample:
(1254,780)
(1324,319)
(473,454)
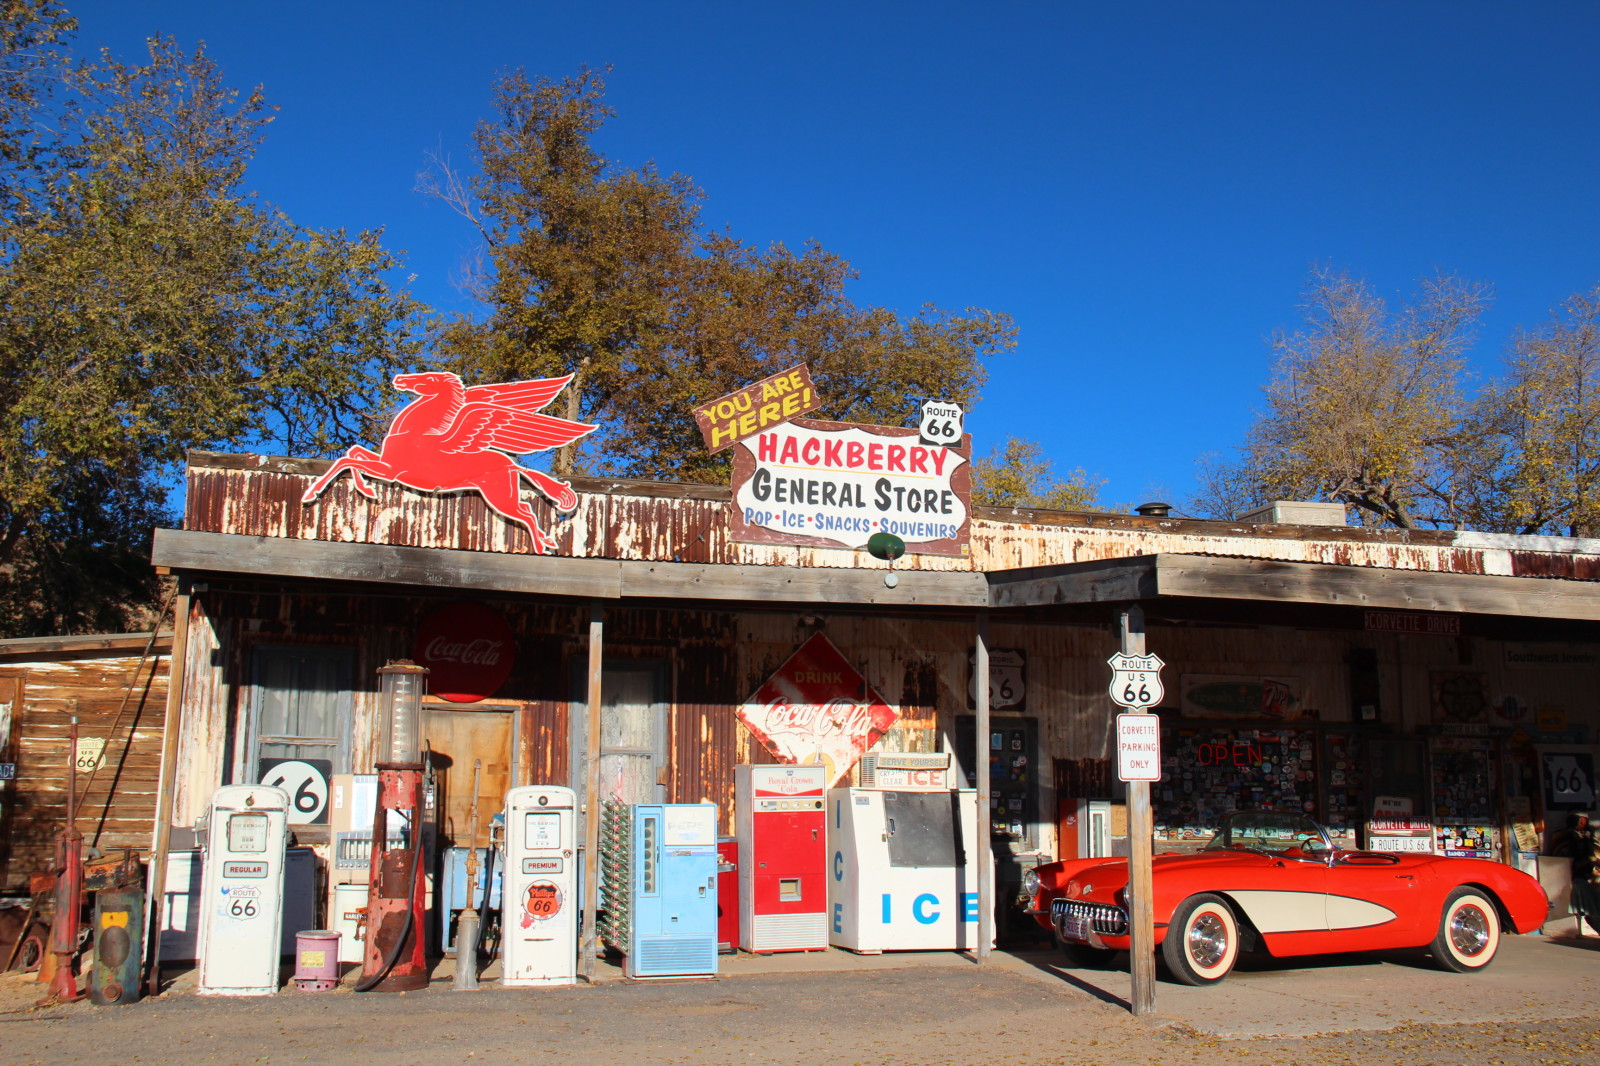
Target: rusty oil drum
(118,945)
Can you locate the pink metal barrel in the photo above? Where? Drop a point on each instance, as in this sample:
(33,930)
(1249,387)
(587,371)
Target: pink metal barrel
(316,960)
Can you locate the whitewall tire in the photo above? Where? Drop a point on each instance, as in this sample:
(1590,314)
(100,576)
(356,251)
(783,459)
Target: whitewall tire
(1202,943)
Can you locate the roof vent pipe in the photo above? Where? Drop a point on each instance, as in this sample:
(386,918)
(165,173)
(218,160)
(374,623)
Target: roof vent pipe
(1154,510)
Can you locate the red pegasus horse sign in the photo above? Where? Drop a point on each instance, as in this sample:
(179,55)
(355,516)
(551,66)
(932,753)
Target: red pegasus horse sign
(454,438)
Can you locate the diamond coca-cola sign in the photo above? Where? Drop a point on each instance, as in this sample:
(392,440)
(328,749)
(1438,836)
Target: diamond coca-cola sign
(818,709)
(468,649)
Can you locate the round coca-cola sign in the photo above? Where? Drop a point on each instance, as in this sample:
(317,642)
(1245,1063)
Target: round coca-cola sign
(468,649)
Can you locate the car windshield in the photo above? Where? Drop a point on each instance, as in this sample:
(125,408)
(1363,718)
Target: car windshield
(1269,832)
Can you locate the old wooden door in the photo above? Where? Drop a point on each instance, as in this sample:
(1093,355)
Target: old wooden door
(633,734)
(461,735)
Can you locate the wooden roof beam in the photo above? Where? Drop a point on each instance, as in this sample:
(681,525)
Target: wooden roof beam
(605,579)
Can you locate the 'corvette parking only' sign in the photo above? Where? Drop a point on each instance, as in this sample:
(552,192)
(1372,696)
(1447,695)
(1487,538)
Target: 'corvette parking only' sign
(1138,747)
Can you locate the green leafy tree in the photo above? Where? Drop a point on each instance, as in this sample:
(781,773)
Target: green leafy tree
(606,273)
(150,304)
(1364,406)
(1018,474)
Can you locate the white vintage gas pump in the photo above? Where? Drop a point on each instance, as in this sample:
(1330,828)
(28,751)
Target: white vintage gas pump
(241,897)
(539,899)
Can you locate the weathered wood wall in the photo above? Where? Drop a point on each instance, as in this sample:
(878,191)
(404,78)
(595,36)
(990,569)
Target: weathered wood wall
(119,696)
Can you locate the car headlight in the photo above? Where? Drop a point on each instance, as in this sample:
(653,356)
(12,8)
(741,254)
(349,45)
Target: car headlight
(1030,883)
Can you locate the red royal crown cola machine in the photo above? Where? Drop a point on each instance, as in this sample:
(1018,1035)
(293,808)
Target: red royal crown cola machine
(780,822)
(395,959)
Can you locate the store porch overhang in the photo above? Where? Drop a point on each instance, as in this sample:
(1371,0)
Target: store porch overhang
(1242,591)
(1176,587)
(606,580)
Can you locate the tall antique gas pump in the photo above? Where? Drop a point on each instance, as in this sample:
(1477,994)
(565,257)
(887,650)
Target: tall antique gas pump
(395,958)
(69,890)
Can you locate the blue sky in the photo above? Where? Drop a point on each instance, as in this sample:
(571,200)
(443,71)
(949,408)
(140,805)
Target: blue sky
(1143,186)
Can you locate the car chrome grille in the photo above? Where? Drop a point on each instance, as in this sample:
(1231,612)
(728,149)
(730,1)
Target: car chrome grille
(1103,918)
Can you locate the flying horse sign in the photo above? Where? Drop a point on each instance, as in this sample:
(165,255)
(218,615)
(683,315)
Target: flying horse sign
(453,438)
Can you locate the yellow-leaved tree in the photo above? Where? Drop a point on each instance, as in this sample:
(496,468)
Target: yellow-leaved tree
(1364,406)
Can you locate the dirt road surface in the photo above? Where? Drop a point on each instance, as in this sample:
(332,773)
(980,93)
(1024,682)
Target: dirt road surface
(1538,1004)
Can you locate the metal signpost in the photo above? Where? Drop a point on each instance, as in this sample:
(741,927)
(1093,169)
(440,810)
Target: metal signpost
(1136,685)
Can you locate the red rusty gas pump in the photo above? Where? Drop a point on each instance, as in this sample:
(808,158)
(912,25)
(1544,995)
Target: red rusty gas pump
(64,928)
(395,959)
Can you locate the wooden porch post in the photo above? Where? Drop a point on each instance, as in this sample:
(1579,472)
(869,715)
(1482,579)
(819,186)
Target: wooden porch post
(981,755)
(591,806)
(1141,911)
(161,832)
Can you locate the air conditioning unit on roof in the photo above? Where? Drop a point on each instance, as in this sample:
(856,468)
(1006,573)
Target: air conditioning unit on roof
(1297,513)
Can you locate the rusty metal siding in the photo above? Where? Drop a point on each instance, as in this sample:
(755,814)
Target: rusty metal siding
(1549,564)
(116,807)
(660,522)
(1005,546)
(267,503)
(545,756)
(697,648)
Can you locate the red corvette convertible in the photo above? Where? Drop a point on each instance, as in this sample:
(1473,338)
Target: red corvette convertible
(1273,881)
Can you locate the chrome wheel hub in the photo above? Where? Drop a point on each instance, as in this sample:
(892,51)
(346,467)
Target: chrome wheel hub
(1208,940)
(1469,930)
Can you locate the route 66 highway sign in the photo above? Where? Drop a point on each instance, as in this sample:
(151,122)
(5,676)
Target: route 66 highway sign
(1135,680)
(941,423)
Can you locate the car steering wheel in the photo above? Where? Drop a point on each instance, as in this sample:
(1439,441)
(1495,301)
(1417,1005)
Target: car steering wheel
(1306,846)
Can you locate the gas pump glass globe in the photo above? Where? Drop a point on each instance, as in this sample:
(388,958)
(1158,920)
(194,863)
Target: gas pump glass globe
(402,685)
(247,832)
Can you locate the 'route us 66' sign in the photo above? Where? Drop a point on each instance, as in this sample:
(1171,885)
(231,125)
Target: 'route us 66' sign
(1136,680)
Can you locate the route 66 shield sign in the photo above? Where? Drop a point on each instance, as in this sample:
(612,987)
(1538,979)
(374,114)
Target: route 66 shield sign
(1136,680)
(941,423)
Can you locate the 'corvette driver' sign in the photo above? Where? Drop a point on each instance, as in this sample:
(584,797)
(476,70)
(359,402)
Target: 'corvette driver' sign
(835,484)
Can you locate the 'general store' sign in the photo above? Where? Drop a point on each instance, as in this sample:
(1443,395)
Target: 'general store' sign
(837,483)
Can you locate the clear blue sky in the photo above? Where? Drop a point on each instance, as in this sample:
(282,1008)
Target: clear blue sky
(1143,186)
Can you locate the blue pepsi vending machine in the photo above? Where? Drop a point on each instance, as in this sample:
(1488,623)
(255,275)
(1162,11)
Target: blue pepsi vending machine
(674,886)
